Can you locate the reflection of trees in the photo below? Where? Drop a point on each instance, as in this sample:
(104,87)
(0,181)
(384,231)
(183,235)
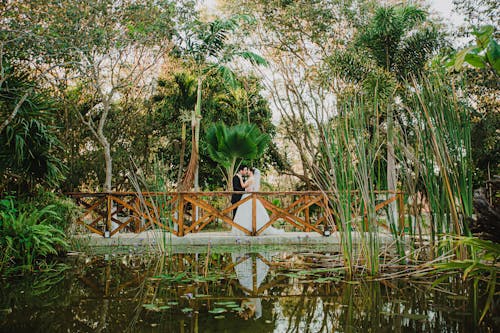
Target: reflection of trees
(109,295)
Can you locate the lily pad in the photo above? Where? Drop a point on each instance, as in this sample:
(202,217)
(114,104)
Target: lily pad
(152,307)
(228,303)
(217,310)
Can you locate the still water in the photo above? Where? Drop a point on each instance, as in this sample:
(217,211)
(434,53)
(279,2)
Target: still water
(230,292)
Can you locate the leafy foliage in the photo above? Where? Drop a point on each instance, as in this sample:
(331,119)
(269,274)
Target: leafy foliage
(483,89)
(482,266)
(29,143)
(398,39)
(209,48)
(485,54)
(175,99)
(229,146)
(26,237)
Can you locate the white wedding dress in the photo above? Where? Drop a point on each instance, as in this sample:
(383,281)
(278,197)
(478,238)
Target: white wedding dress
(243,215)
(246,267)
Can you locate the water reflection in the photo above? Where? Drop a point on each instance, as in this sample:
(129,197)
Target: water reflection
(215,292)
(251,270)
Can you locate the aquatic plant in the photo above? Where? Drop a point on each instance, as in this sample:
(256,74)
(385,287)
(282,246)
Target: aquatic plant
(483,266)
(349,148)
(438,144)
(155,201)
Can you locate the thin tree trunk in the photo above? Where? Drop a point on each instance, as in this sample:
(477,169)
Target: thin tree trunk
(108,163)
(183,151)
(15,111)
(187,181)
(197,134)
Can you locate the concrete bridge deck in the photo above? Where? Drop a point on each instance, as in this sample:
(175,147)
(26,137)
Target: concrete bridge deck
(159,237)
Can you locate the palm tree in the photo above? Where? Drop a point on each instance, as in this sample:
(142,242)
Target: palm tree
(182,101)
(28,140)
(396,44)
(229,146)
(208,50)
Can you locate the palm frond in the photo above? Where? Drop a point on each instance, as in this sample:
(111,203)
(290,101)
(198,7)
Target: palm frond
(254,58)
(415,51)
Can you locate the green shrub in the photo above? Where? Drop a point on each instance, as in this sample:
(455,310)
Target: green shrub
(64,209)
(27,238)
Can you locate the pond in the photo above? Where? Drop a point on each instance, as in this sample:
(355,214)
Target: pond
(219,291)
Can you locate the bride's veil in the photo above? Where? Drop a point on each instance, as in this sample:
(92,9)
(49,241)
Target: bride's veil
(256,177)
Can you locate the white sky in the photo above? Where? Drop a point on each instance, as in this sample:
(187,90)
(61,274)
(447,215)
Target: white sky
(442,7)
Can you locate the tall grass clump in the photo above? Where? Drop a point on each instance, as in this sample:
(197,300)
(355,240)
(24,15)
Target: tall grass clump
(154,194)
(441,154)
(349,148)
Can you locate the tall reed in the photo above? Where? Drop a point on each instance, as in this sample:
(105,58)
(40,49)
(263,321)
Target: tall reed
(349,148)
(432,142)
(154,196)
(441,147)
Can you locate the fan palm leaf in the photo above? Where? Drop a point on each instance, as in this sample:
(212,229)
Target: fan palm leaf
(230,145)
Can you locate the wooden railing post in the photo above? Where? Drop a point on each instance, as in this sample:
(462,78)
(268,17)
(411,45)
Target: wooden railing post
(307,218)
(138,220)
(254,215)
(195,211)
(180,215)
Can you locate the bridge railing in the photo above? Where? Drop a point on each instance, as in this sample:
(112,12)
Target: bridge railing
(182,213)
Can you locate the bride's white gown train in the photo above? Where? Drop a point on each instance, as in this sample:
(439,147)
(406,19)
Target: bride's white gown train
(243,215)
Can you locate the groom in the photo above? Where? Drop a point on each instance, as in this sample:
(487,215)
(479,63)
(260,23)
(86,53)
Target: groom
(243,171)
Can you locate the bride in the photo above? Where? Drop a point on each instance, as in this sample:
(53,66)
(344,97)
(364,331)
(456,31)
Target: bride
(243,215)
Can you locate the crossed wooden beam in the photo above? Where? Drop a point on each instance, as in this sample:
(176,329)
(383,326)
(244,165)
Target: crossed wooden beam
(157,208)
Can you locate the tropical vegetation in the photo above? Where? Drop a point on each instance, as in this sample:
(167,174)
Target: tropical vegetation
(348,97)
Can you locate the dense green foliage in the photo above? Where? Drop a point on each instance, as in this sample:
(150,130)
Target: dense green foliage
(91,92)
(483,87)
(28,236)
(28,153)
(171,114)
(229,146)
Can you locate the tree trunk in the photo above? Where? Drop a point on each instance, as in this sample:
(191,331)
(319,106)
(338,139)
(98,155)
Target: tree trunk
(193,166)
(197,134)
(108,162)
(230,174)
(183,150)
(15,111)
(187,181)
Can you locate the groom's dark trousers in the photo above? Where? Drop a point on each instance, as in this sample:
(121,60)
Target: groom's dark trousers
(236,197)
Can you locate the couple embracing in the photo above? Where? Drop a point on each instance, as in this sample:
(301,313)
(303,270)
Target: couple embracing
(243,214)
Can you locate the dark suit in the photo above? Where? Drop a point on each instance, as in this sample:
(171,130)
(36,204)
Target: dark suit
(236,187)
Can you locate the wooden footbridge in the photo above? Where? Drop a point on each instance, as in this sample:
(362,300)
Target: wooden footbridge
(181,213)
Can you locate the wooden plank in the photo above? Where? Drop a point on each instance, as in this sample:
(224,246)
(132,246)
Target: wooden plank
(254,214)
(216,213)
(385,203)
(295,220)
(108,219)
(180,214)
(298,213)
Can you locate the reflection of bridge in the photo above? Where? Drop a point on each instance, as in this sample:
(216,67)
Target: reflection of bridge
(182,213)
